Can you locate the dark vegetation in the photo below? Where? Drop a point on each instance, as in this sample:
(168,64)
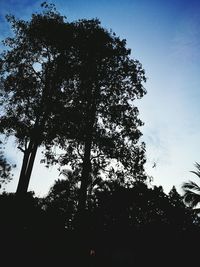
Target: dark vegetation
(125,226)
(71,86)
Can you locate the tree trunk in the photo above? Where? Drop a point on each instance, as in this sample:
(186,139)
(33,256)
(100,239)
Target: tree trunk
(21,184)
(30,164)
(27,166)
(85,177)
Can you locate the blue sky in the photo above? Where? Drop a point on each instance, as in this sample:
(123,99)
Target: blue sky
(165,37)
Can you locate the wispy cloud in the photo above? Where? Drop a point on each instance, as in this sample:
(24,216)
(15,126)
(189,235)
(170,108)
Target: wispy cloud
(186,43)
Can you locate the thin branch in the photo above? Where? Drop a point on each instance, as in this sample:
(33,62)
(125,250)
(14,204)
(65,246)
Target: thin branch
(37,74)
(78,151)
(26,144)
(21,149)
(97,156)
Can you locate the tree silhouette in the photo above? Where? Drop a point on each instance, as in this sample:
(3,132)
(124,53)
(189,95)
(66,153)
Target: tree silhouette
(137,206)
(107,83)
(34,72)
(192,190)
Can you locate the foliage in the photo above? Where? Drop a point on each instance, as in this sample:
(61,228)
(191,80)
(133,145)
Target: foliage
(140,206)
(106,131)
(19,213)
(132,221)
(61,202)
(113,206)
(5,167)
(34,71)
(26,74)
(107,83)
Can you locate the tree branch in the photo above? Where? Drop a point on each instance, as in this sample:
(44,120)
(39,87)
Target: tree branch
(21,149)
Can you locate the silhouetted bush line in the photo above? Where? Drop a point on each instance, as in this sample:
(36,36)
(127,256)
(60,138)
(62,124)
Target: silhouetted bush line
(125,226)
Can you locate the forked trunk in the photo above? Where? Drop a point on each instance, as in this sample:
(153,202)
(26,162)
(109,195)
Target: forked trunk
(27,166)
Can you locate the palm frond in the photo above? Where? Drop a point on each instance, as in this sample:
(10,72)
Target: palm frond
(197,165)
(197,172)
(191,198)
(197,210)
(192,190)
(191,186)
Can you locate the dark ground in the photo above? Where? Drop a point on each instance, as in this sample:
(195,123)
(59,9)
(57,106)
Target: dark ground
(145,247)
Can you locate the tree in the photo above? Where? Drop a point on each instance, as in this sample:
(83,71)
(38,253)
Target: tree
(33,72)
(181,215)
(107,83)
(192,190)
(175,198)
(136,207)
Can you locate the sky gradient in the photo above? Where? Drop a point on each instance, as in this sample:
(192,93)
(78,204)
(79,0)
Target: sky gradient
(165,37)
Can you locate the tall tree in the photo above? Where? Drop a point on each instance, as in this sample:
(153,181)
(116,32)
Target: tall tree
(33,71)
(107,83)
(110,81)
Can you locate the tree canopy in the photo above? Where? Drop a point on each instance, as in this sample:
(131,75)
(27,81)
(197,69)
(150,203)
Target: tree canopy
(32,82)
(107,82)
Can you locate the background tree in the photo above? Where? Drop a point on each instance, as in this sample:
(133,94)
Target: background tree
(33,73)
(136,207)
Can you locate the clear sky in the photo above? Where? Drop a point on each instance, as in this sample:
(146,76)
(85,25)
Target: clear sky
(165,37)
